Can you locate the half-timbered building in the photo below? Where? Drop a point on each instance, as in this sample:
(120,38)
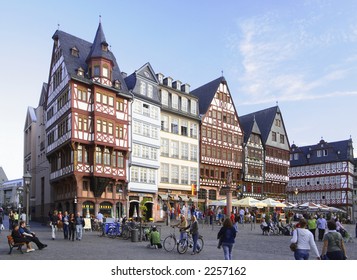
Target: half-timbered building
(221,139)
(276,152)
(145,138)
(322,173)
(253,162)
(87,126)
(179,153)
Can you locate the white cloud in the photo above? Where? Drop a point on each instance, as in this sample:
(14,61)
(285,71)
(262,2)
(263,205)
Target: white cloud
(283,59)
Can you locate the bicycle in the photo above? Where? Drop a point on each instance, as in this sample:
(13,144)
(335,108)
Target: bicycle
(170,241)
(185,243)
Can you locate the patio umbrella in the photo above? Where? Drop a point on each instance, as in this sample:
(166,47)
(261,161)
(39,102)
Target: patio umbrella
(309,206)
(222,202)
(273,203)
(248,202)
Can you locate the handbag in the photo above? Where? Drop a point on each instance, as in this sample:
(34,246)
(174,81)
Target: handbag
(293,246)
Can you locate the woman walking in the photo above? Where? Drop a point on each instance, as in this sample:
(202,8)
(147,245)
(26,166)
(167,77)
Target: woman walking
(194,232)
(305,242)
(334,246)
(227,235)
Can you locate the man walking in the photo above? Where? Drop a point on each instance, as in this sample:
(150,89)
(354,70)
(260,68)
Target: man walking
(79,221)
(321,226)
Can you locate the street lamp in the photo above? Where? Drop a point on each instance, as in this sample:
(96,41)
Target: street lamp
(27,182)
(19,192)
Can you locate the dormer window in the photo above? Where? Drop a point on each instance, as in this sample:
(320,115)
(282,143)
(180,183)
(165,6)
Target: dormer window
(117,84)
(80,72)
(75,52)
(104,46)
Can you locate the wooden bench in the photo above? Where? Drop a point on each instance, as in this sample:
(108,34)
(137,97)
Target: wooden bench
(12,244)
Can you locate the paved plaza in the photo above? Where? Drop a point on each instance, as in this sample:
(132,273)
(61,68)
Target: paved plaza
(250,245)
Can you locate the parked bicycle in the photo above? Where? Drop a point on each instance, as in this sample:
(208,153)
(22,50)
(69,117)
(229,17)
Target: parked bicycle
(186,243)
(170,241)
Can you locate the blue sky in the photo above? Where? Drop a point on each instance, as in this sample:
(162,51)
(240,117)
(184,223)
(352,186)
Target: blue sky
(301,54)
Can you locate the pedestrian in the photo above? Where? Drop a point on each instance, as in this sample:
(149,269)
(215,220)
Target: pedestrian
(312,225)
(53,224)
(334,246)
(321,226)
(30,235)
(79,221)
(241,215)
(18,238)
(305,242)
(16,218)
(71,227)
(23,217)
(11,220)
(1,223)
(226,236)
(65,222)
(194,233)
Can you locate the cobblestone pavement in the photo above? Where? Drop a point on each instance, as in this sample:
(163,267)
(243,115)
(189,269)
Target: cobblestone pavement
(250,245)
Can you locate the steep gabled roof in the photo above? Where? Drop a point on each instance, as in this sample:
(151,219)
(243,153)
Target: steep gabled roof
(85,50)
(264,118)
(206,93)
(249,126)
(336,151)
(96,48)
(42,101)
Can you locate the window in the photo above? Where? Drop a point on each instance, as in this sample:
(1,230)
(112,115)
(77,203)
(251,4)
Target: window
(174,126)
(175,104)
(193,175)
(184,175)
(174,149)
(193,152)
(96,70)
(184,104)
(277,122)
(142,88)
(165,98)
(174,174)
(184,130)
(105,72)
(164,147)
(193,107)
(193,130)
(82,95)
(325,153)
(184,151)
(150,91)
(106,157)
(146,110)
(80,153)
(164,123)
(319,153)
(164,170)
(273,136)
(282,139)
(98,155)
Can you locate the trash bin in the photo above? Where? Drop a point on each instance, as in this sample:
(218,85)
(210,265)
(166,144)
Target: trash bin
(134,235)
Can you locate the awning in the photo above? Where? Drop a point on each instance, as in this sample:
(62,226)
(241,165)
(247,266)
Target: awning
(134,200)
(184,197)
(163,196)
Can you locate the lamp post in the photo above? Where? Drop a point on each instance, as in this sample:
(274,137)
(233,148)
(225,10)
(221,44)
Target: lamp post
(27,183)
(19,192)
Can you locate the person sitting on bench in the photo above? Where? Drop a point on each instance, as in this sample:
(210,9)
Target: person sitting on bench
(18,238)
(30,236)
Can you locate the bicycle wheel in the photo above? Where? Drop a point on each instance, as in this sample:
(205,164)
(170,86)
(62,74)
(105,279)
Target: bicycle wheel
(125,234)
(182,246)
(200,244)
(169,243)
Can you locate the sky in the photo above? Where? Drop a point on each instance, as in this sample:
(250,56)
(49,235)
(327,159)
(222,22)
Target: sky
(301,55)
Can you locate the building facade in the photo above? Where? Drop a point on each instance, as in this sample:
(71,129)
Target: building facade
(276,152)
(323,173)
(221,139)
(179,153)
(145,141)
(87,127)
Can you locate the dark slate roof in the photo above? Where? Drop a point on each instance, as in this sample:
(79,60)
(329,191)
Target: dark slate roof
(96,48)
(249,126)
(72,63)
(336,151)
(264,119)
(206,93)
